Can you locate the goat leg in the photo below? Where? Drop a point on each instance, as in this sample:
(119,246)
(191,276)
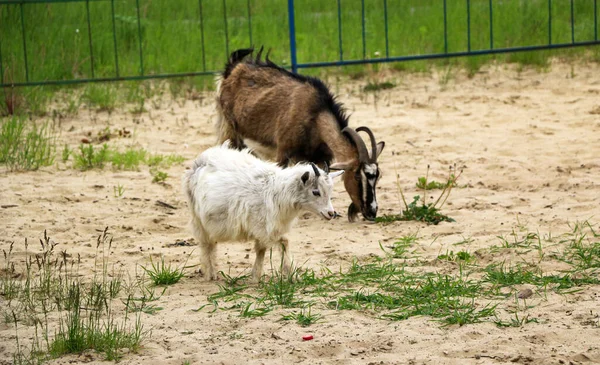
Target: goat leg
(352,212)
(208,258)
(285,256)
(258,262)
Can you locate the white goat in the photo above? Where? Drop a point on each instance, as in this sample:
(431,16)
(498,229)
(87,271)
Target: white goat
(234,196)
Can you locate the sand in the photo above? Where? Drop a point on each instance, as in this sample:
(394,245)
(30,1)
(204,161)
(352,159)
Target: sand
(528,141)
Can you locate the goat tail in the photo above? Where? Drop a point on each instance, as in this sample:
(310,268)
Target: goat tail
(235,58)
(188,181)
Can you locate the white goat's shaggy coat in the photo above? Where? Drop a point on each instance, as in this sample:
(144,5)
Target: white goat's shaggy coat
(234,196)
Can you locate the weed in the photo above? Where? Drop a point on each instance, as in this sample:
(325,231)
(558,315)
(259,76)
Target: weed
(281,289)
(101,96)
(51,287)
(26,148)
(518,241)
(414,211)
(90,158)
(401,246)
(445,77)
(423,184)
(467,314)
(66,153)
(460,256)
(158,177)
(386,288)
(422,211)
(583,251)
(146,295)
(377,86)
(164,161)
(118,190)
(249,311)
(163,274)
(130,159)
(304,318)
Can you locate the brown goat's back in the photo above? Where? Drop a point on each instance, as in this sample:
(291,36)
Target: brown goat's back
(279,110)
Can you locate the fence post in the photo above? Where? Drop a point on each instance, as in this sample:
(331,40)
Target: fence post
(292,34)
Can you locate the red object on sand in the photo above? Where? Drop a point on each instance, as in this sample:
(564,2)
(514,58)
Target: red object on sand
(307,337)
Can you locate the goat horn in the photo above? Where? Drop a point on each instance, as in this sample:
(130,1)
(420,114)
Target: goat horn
(363,155)
(259,54)
(373,142)
(326,169)
(317,174)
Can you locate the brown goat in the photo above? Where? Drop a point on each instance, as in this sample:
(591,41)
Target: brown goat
(295,118)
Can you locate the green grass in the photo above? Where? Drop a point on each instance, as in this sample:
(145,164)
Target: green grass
(386,288)
(419,209)
(102,97)
(423,184)
(97,157)
(460,256)
(304,318)
(90,157)
(162,273)
(46,293)
(158,177)
(171,39)
(378,86)
(26,146)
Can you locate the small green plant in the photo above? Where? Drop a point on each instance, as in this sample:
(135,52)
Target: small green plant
(163,274)
(66,153)
(460,256)
(377,86)
(101,96)
(250,311)
(89,158)
(304,318)
(50,292)
(164,161)
(26,147)
(130,159)
(419,209)
(400,248)
(140,303)
(118,190)
(423,184)
(158,177)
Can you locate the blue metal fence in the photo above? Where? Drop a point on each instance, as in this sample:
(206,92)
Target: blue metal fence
(443,14)
(14,63)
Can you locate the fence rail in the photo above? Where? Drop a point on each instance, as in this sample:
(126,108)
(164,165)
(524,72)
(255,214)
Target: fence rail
(113,34)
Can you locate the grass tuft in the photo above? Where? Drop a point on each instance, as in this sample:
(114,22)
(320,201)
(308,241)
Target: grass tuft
(304,318)
(163,274)
(419,209)
(25,147)
(47,292)
(378,86)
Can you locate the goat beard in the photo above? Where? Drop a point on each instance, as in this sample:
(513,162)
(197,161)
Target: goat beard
(352,212)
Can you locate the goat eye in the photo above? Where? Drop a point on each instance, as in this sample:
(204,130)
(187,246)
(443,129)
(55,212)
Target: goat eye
(316,193)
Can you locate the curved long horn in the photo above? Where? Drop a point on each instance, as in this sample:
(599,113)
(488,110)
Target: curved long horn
(326,168)
(363,155)
(373,142)
(317,174)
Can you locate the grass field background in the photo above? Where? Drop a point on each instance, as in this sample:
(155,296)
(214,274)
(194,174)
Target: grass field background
(57,37)
(57,34)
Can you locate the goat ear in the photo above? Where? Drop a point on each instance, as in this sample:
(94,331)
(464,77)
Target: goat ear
(305,177)
(380,146)
(335,174)
(347,165)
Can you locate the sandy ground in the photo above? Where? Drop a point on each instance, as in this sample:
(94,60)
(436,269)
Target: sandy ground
(529,143)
